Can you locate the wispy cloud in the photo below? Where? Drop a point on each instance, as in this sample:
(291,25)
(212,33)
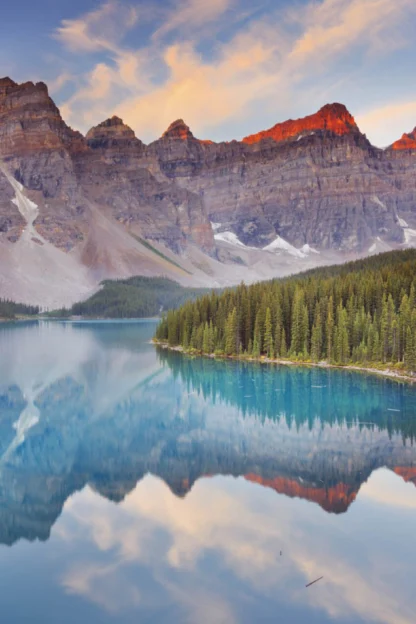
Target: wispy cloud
(192,14)
(101,29)
(264,62)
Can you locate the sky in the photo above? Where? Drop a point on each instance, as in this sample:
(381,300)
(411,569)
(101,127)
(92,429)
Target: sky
(229,68)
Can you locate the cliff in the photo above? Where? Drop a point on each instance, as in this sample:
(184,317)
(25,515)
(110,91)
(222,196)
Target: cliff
(313,183)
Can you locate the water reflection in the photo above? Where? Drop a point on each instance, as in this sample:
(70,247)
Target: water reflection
(89,410)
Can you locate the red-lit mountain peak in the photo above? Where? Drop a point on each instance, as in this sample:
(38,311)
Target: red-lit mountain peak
(178,130)
(333,118)
(408,141)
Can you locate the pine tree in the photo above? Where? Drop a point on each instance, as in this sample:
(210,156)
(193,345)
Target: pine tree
(330,329)
(283,346)
(316,340)
(268,335)
(231,333)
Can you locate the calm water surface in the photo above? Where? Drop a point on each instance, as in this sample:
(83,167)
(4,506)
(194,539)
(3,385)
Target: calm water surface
(141,486)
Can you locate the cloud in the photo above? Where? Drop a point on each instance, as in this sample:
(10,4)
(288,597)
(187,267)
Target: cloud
(98,30)
(334,26)
(192,14)
(385,124)
(60,81)
(270,63)
(241,528)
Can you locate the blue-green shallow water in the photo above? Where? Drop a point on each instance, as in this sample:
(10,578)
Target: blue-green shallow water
(138,486)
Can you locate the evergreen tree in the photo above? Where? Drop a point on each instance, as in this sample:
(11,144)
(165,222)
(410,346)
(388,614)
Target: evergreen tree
(268,335)
(231,333)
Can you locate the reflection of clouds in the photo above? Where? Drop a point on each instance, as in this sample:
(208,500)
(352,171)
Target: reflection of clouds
(243,528)
(385,488)
(103,585)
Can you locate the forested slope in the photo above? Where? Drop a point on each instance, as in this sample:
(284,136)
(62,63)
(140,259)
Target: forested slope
(11,310)
(135,297)
(362,312)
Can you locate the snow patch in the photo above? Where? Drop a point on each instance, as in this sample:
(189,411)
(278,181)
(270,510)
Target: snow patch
(409,233)
(378,201)
(307,249)
(373,248)
(301,136)
(215,226)
(402,222)
(410,236)
(279,244)
(229,237)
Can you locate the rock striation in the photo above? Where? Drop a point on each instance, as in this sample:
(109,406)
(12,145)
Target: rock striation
(315,182)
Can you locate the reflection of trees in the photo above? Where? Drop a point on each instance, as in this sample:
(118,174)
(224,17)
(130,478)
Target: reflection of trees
(300,395)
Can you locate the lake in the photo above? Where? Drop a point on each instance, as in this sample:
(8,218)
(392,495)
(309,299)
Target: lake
(139,485)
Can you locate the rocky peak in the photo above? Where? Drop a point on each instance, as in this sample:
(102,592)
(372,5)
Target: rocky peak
(111,129)
(30,121)
(6,83)
(408,141)
(178,130)
(333,118)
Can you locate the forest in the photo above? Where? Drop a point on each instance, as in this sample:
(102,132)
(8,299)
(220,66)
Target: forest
(10,310)
(362,312)
(136,297)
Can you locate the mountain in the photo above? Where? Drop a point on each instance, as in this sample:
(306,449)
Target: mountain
(75,210)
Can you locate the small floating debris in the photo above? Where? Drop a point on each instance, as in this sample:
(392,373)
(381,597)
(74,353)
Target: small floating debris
(318,386)
(248,396)
(390,409)
(315,581)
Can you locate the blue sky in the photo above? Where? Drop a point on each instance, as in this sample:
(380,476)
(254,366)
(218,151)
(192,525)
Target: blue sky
(228,67)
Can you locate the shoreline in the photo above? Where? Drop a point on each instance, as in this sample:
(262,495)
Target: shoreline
(388,373)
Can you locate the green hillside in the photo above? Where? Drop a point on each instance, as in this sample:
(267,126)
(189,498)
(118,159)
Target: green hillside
(135,297)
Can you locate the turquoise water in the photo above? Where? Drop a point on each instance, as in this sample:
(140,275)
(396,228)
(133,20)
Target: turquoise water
(137,485)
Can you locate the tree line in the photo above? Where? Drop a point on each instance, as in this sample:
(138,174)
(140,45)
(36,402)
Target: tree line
(10,309)
(135,297)
(363,312)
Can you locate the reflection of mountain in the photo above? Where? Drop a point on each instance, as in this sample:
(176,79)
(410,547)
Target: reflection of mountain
(108,412)
(334,499)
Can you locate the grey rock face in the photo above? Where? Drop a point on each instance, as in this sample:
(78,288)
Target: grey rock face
(315,181)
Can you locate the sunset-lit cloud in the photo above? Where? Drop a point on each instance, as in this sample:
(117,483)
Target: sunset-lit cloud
(258,70)
(245,527)
(100,29)
(227,67)
(390,120)
(191,14)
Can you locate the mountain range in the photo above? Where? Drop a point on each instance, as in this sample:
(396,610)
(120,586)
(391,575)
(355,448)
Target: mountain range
(77,209)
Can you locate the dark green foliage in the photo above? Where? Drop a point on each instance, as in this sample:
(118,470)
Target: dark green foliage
(136,297)
(362,312)
(11,310)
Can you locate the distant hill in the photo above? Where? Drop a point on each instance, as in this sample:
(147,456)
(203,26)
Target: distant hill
(136,297)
